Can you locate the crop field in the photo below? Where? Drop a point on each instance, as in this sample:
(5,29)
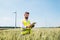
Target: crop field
(36,34)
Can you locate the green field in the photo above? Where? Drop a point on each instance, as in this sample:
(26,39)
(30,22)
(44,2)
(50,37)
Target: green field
(37,34)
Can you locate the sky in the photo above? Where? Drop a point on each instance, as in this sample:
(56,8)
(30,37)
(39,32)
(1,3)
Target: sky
(46,13)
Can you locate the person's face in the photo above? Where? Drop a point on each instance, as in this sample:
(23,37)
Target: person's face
(26,16)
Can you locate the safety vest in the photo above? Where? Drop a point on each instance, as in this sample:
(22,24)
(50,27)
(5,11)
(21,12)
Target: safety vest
(26,23)
(27,30)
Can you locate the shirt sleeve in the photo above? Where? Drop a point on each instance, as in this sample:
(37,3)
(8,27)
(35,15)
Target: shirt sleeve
(22,25)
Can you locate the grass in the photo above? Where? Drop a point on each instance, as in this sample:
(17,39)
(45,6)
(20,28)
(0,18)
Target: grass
(37,34)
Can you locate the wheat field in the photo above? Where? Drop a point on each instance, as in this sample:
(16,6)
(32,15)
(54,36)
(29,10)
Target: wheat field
(36,34)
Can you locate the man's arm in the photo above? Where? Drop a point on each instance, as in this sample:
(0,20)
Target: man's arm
(22,25)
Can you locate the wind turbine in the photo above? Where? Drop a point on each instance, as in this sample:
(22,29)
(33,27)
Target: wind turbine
(15,18)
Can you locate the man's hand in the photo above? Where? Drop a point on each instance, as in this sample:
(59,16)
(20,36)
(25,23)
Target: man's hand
(28,26)
(31,25)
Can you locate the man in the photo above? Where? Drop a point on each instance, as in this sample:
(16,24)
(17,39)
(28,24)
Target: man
(26,24)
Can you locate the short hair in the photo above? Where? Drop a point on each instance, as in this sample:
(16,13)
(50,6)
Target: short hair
(26,12)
